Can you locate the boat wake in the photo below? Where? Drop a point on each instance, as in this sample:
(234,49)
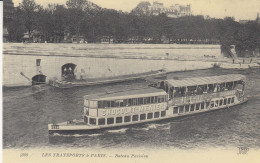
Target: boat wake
(118,131)
(94,135)
(154,126)
(141,129)
(159,126)
(76,135)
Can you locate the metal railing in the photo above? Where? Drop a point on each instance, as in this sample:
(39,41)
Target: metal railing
(201,98)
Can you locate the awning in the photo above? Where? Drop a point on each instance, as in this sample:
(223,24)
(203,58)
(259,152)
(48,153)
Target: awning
(135,93)
(205,80)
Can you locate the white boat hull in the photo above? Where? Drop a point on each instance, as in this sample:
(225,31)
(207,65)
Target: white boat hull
(79,126)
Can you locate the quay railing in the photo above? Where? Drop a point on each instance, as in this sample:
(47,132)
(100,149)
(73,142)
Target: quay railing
(201,98)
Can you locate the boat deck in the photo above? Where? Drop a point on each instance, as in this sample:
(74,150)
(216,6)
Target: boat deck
(106,80)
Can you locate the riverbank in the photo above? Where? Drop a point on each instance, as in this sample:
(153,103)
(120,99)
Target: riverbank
(106,61)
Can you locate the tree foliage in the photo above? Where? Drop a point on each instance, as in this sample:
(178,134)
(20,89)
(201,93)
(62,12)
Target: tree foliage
(142,9)
(29,9)
(81,18)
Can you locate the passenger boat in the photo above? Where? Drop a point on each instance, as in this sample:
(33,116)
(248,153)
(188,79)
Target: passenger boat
(162,101)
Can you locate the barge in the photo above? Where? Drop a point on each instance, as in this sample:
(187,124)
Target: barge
(98,81)
(164,100)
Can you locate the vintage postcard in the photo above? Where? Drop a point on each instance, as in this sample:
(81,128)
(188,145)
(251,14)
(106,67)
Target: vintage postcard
(131,81)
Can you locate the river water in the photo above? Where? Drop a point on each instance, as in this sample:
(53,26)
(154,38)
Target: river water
(27,112)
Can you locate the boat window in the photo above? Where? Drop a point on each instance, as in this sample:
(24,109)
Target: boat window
(229,85)
(225,101)
(149,115)
(152,99)
(86,103)
(229,99)
(161,99)
(148,100)
(212,104)
(135,118)
(156,115)
(106,104)
(222,86)
(201,89)
(93,104)
(92,121)
(207,105)
(100,104)
(110,121)
(191,90)
(145,100)
(117,103)
(192,107)
(202,106)
(125,102)
(127,119)
(210,88)
(140,101)
(113,104)
(142,116)
(121,103)
(220,102)
(130,102)
(197,106)
(187,108)
(86,119)
(181,109)
(119,119)
(163,113)
(101,121)
(232,100)
(155,99)
(240,82)
(177,92)
(175,110)
(216,103)
(135,101)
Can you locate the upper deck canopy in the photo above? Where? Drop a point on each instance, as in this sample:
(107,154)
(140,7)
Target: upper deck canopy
(205,80)
(146,92)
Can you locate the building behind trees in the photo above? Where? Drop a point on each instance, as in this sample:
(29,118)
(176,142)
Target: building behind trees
(173,11)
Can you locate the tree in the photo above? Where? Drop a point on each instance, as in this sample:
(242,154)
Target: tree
(246,39)
(15,27)
(76,4)
(76,15)
(29,8)
(228,28)
(142,9)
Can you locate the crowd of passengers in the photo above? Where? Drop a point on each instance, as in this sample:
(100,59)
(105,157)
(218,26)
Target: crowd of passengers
(201,89)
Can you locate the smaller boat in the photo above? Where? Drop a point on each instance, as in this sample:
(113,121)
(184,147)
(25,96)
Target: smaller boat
(97,81)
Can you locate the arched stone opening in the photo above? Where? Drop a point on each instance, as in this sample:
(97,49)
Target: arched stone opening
(38,79)
(67,72)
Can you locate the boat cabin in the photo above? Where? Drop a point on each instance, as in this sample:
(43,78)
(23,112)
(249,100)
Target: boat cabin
(123,107)
(213,85)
